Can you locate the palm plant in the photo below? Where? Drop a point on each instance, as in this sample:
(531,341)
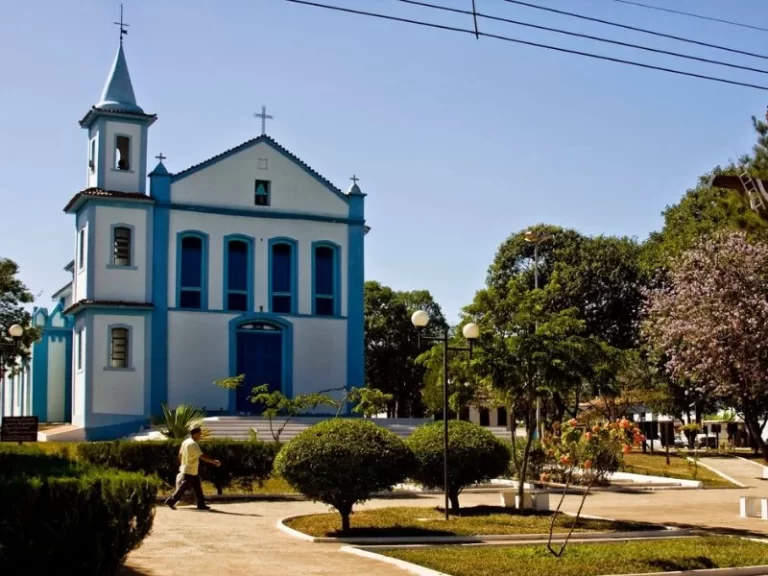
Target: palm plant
(176,424)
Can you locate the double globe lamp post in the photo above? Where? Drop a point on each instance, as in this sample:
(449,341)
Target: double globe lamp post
(471,332)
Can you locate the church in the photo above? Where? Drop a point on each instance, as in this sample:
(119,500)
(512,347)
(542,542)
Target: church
(249,262)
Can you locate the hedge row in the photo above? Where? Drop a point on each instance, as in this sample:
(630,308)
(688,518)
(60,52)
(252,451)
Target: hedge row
(59,516)
(242,463)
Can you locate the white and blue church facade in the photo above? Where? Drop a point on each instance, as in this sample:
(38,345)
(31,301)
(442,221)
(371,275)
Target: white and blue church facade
(247,263)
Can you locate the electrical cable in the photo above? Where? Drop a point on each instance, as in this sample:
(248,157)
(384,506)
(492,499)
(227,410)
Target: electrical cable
(636,29)
(693,15)
(527,43)
(587,36)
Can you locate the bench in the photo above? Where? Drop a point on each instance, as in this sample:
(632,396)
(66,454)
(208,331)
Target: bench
(765,472)
(753,507)
(536,500)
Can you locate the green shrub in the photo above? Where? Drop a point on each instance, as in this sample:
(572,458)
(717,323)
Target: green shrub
(242,463)
(474,455)
(344,462)
(62,517)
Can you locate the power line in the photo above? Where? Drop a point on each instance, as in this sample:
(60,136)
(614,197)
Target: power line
(527,43)
(692,15)
(636,29)
(587,36)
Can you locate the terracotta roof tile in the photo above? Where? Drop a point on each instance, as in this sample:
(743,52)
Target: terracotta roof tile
(100,193)
(107,303)
(95,110)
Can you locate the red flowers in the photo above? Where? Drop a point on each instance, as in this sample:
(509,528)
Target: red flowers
(573,422)
(587,464)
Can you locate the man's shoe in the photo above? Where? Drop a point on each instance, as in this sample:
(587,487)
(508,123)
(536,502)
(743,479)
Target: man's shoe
(204,507)
(170,503)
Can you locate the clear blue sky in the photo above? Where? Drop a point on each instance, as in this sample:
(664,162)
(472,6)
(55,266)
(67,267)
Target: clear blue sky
(457,142)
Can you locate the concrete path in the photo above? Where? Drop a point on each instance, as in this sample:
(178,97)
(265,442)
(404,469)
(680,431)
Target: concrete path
(747,472)
(241,539)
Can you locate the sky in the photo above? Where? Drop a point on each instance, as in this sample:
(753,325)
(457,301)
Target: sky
(458,142)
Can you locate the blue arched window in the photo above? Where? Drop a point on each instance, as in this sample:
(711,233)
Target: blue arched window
(282,275)
(238,273)
(192,270)
(325,279)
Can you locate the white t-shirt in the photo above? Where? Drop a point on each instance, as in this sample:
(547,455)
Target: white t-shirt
(190,457)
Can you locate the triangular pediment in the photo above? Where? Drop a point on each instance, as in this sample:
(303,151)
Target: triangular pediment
(259,174)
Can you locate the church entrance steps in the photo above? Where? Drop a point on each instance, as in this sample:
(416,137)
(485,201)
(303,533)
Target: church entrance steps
(238,427)
(63,433)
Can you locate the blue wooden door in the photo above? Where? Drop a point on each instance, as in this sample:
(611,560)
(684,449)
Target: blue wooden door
(260,358)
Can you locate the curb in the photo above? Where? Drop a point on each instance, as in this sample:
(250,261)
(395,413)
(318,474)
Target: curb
(402,564)
(423,571)
(722,475)
(750,461)
(666,532)
(744,571)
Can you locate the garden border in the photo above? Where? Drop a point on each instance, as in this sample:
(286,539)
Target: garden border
(424,571)
(666,532)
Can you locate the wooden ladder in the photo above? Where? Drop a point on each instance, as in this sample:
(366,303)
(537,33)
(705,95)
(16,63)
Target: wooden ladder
(753,193)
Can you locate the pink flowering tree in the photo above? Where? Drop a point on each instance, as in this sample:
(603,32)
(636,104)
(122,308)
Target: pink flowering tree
(587,454)
(710,320)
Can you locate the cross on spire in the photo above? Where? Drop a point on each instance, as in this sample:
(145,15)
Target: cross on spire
(264,117)
(161,157)
(355,179)
(122,25)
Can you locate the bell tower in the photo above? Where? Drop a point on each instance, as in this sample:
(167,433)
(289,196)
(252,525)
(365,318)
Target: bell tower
(117,132)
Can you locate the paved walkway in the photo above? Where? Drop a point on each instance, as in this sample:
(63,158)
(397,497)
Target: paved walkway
(747,472)
(241,539)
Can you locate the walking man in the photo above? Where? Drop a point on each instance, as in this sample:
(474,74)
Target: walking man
(190,455)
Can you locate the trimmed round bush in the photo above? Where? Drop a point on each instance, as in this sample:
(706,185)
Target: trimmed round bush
(59,517)
(474,455)
(344,462)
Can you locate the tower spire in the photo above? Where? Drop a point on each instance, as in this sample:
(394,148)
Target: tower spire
(122,25)
(118,90)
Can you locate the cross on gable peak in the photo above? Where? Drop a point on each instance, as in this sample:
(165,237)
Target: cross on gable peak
(355,179)
(161,157)
(264,117)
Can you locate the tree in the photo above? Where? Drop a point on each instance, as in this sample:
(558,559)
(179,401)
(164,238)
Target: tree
(711,322)
(598,276)
(462,384)
(528,351)
(474,455)
(13,296)
(344,462)
(591,454)
(275,404)
(391,346)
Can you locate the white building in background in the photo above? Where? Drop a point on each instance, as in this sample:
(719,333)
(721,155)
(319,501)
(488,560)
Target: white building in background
(249,262)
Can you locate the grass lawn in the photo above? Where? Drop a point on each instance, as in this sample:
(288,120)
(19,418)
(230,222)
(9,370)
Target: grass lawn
(656,465)
(588,559)
(478,520)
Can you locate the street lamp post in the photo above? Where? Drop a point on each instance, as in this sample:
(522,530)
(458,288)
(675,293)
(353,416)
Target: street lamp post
(420,319)
(15,331)
(532,238)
